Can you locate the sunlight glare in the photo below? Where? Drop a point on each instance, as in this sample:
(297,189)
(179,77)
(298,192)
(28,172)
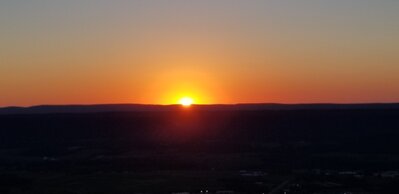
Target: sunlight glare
(186,101)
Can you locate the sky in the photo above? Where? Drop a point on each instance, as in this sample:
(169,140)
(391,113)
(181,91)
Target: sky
(215,51)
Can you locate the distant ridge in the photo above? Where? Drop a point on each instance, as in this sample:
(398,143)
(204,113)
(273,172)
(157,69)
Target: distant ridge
(47,109)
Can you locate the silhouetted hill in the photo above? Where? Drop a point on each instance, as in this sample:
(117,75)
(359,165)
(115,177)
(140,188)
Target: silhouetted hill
(45,109)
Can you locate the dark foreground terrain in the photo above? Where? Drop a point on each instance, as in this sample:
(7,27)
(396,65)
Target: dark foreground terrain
(197,150)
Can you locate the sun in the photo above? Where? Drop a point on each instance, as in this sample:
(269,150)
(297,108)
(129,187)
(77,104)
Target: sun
(186,101)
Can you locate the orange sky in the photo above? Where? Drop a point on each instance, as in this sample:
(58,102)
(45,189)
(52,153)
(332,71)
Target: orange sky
(225,51)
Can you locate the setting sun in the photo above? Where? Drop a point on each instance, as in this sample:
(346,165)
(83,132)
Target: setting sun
(186,101)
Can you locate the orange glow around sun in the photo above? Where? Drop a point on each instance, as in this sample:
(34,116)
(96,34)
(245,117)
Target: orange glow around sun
(186,101)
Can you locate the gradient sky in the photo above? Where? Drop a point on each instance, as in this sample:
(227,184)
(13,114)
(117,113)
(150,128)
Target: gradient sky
(217,51)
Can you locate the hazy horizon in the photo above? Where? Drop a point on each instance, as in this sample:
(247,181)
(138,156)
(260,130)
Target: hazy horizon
(209,104)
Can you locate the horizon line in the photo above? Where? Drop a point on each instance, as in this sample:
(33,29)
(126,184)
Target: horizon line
(205,104)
